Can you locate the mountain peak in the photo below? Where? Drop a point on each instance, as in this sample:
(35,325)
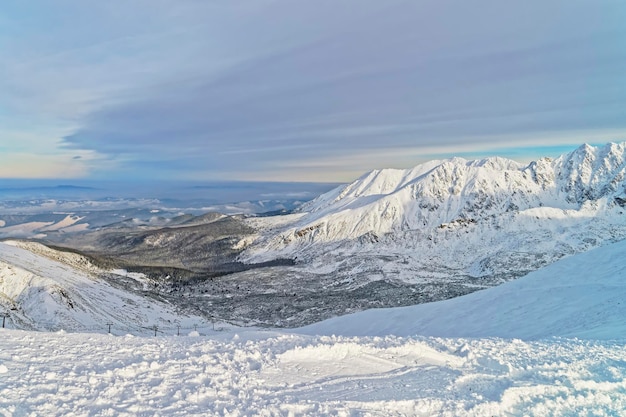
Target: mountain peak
(442,192)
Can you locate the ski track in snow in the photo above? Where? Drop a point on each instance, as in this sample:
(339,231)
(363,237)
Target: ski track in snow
(267,374)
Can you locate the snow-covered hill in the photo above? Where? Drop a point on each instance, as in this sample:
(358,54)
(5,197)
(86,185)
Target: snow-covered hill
(44,289)
(489,220)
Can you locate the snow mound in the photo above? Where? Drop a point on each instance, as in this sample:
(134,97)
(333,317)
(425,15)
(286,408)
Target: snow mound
(583,296)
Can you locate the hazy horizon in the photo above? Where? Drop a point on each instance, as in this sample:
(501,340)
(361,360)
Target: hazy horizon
(210,191)
(182,194)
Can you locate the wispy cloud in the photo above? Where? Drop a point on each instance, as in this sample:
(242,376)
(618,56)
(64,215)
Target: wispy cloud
(308,90)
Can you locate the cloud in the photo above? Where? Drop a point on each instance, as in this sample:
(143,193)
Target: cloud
(31,165)
(262,89)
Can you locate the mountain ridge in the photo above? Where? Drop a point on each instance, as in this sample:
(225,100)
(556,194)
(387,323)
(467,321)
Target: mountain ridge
(462,215)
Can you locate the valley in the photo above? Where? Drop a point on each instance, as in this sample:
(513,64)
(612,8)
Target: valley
(391,238)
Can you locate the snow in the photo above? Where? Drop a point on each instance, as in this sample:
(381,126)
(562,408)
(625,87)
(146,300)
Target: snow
(583,296)
(51,290)
(266,374)
(68,221)
(499,356)
(25,228)
(69,224)
(447,221)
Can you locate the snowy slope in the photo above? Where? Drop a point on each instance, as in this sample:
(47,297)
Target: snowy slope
(45,289)
(269,373)
(583,296)
(453,219)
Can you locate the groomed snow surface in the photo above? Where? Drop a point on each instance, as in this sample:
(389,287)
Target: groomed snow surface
(488,353)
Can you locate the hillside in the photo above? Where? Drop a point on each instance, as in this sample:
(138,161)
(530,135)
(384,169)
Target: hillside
(390,368)
(44,289)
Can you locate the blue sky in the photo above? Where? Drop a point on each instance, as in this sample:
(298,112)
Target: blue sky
(290,90)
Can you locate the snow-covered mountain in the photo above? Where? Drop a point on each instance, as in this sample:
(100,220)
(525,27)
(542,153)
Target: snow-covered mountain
(493,219)
(391,238)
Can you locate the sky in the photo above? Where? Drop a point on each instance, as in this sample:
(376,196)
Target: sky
(294,90)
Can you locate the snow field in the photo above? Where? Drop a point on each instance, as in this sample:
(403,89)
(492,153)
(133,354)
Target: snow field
(269,374)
